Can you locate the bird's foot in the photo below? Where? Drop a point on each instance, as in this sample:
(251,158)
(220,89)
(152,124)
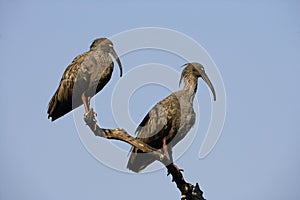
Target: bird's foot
(177,169)
(168,173)
(90,119)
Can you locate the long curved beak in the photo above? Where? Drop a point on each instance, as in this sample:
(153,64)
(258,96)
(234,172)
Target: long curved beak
(113,53)
(210,85)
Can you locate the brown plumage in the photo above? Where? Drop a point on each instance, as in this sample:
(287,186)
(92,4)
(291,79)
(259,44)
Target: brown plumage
(84,77)
(169,120)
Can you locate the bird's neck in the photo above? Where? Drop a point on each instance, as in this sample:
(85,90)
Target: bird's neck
(190,86)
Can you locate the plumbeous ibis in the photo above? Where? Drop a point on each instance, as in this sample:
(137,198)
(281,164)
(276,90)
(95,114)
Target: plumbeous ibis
(169,120)
(84,77)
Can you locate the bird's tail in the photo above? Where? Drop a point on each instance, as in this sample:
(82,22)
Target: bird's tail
(53,104)
(139,161)
(57,108)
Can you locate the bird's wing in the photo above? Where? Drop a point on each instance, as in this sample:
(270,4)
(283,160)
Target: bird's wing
(70,75)
(188,122)
(63,95)
(165,115)
(163,120)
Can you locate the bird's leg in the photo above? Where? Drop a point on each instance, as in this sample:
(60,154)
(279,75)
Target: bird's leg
(88,101)
(94,113)
(87,106)
(178,169)
(166,150)
(85,103)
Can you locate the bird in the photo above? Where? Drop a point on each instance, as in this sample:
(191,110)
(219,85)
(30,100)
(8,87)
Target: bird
(169,121)
(87,74)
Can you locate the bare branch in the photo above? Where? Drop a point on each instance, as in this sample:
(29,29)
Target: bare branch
(188,191)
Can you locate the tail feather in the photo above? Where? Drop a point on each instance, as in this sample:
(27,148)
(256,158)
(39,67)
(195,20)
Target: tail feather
(57,109)
(139,161)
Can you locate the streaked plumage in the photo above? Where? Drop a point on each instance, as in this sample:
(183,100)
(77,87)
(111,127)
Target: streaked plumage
(84,77)
(169,120)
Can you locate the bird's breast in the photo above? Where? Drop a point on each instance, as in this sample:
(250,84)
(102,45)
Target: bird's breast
(100,72)
(187,121)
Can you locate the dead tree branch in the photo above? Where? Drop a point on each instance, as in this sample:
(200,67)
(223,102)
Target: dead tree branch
(188,191)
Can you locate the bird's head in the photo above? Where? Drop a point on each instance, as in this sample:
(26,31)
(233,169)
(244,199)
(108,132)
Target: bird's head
(197,70)
(106,45)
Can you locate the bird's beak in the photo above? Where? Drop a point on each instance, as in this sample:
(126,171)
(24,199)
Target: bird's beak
(207,81)
(113,53)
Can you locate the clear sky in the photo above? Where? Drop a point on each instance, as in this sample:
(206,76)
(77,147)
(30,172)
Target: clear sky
(256,46)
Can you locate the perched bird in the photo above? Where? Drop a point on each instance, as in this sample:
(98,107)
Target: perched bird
(169,120)
(84,77)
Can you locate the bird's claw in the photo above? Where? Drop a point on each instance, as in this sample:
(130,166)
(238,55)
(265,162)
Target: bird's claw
(179,170)
(90,118)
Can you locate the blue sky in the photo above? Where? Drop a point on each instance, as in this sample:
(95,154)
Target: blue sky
(256,47)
